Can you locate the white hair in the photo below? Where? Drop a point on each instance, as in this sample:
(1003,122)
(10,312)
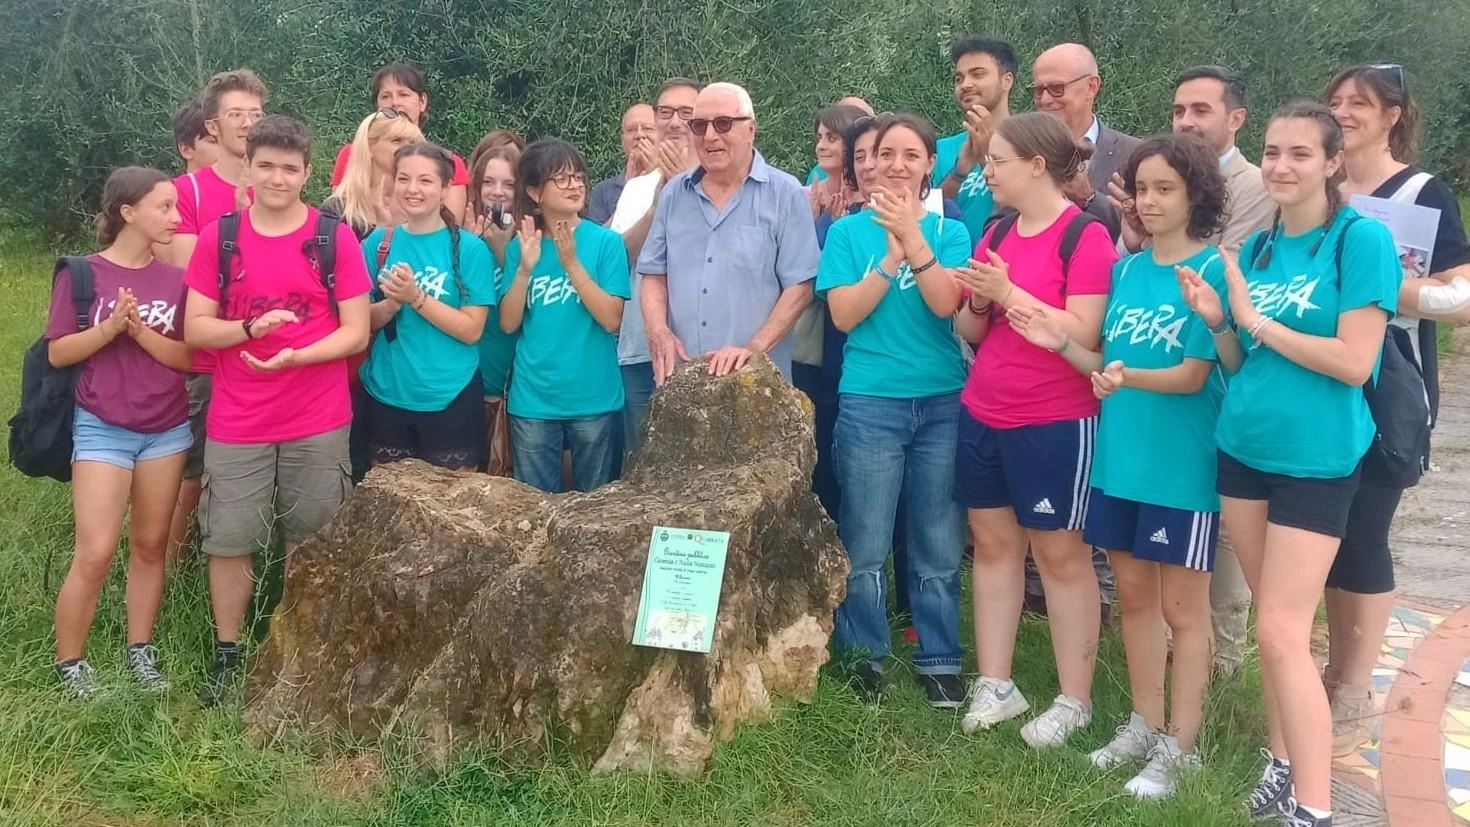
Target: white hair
(742,97)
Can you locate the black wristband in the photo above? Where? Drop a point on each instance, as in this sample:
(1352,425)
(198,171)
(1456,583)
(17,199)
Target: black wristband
(926,266)
(248,323)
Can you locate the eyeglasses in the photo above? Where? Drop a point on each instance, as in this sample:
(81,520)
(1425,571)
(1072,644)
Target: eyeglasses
(721,124)
(243,115)
(1056,90)
(667,113)
(1396,68)
(568,180)
(390,113)
(992,161)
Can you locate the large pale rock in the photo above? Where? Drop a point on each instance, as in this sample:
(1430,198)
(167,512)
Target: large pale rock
(462,609)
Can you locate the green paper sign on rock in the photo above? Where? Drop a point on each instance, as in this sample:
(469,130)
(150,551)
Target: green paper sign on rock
(681,589)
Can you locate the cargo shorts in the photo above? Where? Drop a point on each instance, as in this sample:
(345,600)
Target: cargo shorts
(249,490)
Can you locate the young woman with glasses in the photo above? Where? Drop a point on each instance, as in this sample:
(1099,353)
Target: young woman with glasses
(1308,306)
(1380,124)
(1026,435)
(566,281)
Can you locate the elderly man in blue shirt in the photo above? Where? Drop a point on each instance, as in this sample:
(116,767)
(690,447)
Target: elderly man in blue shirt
(730,258)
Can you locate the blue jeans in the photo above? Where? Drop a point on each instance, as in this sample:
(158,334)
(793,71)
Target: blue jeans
(885,449)
(637,391)
(536,446)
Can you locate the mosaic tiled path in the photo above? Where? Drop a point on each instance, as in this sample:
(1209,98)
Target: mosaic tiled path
(1419,757)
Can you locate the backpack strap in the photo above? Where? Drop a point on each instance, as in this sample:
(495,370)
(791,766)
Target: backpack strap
(322,248)
(1408,192)
(384,246)
(1071,236)
(1001,229)
(229,245)
(1341,239)
(390,330)
(83,287)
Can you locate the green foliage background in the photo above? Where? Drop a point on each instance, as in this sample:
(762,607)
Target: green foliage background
(86,85)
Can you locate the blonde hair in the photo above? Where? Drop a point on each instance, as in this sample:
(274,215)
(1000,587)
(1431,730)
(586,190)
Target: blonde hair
(358,192)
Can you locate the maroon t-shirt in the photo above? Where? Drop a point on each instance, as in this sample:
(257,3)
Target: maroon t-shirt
(122,384)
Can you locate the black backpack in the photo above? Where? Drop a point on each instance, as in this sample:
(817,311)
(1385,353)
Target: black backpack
(40,431)
(1397,399)
(1070,237)
(320,248)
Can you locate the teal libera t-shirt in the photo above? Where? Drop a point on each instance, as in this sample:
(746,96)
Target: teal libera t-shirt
(423,368)
(497,348)
(1159,448)
(974,198)
(901,350)
(1283,418)
(566,364)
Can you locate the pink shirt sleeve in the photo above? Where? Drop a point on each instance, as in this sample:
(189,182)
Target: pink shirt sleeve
(1090,272)
(188,204)
(202,273)
(339,167)
(461,173)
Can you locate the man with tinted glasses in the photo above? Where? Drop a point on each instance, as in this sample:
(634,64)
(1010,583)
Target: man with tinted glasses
(1066,83)
(636,136)
(730,258)
(670,153)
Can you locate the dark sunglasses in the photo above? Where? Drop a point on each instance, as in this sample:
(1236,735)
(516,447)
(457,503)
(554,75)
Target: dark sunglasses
(1397,69)
(722,124)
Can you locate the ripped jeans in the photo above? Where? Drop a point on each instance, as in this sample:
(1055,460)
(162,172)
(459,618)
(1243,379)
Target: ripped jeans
(883,448)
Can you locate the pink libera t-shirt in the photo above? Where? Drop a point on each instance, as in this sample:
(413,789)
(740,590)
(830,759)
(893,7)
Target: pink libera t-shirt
(122,384)
(461,177)
(253,407)
(1013,382)
(203,198)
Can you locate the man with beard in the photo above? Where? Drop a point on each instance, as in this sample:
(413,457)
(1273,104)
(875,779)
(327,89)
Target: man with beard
(984,72)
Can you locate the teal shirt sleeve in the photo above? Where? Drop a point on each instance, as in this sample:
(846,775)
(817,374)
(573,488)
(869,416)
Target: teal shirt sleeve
(954,243)
(837,266)
(477,269)
(1371,272)
(1199,343)
(512,263)
(611,270)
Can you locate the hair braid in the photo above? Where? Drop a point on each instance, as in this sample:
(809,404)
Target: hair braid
(448,216)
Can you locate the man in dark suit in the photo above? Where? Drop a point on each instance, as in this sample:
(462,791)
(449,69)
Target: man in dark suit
(1066,83)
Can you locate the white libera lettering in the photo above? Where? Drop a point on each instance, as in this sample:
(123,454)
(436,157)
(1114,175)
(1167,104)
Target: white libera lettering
(157,314)
(1162,325)
(1278,298)
(549,290)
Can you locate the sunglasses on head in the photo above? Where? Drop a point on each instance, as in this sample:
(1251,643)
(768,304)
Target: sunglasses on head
(390,113)
(722,124)
(1396,69)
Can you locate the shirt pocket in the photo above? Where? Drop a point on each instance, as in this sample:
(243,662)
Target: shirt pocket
(754,251)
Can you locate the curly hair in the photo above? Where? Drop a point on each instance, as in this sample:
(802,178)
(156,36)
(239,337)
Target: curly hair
(1188,155)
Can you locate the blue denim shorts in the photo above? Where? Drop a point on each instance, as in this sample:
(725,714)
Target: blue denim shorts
(96,441)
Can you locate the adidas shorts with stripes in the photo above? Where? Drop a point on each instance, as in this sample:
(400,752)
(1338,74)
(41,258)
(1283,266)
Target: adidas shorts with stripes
(1041,471)
(1155,533)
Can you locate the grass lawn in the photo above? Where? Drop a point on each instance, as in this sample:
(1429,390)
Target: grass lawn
(139,761)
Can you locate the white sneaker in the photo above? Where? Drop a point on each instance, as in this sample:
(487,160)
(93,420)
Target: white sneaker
(1131,743)
(992,700)
(1052,728)
(1165,763)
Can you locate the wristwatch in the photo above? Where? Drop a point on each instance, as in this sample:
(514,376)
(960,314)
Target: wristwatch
(1225,327)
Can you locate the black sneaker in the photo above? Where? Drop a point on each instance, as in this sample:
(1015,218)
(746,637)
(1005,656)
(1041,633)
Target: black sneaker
(78,680)
(866,681)
(1273,793)
(220,678)
(944,691)
(1302,818)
